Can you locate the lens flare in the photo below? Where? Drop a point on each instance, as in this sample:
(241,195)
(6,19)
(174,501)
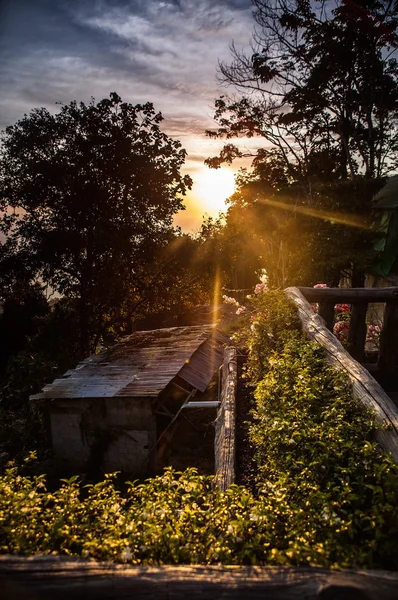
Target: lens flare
(333,217)
(216,294)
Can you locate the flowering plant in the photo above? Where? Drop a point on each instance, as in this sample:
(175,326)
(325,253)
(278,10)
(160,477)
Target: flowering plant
(341,328)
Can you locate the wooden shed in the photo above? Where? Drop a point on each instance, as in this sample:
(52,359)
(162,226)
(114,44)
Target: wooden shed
(110,411)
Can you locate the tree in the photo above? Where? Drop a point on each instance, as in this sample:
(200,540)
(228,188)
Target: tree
(21,312)
(298,244)
(87,198)
(320,88)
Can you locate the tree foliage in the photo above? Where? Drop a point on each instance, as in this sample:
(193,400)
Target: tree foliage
(321,91)
(301,243)
(320,87)
(87,198)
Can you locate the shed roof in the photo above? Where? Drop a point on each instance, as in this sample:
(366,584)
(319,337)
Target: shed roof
(142,364)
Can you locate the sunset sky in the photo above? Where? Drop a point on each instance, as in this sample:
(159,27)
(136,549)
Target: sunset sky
(165,52)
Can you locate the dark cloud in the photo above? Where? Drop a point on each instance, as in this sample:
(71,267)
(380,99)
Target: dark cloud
(163,51)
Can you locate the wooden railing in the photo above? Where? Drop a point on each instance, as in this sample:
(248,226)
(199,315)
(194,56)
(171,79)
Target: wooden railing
(224,442)
(60,577)
(359,298)
(365,388)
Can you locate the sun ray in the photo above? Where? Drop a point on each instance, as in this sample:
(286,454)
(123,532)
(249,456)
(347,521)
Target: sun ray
(216,294)
(332,216)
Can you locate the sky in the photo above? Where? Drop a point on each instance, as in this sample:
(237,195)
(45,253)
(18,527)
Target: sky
(165,52)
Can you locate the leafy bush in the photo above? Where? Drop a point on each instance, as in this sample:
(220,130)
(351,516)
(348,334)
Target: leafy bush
(326,495)
(315,442)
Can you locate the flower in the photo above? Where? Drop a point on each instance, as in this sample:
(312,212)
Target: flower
(241,310)
(373,333)
(264,277)
(263,285)
(230,300)
(320,285)
(126,553)
(342,308)
(341,330)
(260,287)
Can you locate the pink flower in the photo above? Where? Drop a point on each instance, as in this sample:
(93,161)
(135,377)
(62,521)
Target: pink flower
(260,287)
(342,308)
(230,300)
(241,310)
(373,333)
(341,330)
(320,285)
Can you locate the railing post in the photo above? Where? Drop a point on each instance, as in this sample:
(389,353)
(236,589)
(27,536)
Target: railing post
(357,334)
(388,352)
(326,311)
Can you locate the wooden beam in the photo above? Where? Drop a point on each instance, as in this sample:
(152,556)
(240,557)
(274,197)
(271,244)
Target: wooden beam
(224,441)
(349,295)
(388,354)
(365,388)
(326,311)
(357,333)
(60,577)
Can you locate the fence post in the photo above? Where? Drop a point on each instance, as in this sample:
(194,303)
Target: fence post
(326,311)
(357,334)
(388,352)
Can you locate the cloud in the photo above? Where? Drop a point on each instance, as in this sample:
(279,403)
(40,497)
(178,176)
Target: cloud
(165,52)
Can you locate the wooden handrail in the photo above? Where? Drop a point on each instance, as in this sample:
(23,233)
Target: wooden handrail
(224,442)
(350,295)
(61,577)
(365,388)
(359,298)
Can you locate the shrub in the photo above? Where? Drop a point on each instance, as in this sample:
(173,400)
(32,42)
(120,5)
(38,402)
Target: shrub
(326,494)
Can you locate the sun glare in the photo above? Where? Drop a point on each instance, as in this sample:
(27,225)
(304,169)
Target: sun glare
(212,187)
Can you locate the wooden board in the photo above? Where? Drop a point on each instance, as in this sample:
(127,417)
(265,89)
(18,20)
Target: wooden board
(348,295)
(365,387)
(224,441)
(63,578)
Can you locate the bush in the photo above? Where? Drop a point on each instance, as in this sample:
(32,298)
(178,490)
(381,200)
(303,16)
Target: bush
(315,442)
(326,494)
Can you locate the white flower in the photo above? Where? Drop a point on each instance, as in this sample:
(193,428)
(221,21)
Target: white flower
(126,554)
(230,300)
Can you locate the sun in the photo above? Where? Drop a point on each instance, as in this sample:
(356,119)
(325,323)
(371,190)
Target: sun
(212,187)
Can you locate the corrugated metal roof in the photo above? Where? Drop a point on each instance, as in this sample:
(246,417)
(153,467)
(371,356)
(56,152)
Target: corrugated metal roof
(387,197)
(142,364)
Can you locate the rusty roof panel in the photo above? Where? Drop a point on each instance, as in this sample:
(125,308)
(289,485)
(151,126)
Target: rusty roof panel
(205,361)
(143,363)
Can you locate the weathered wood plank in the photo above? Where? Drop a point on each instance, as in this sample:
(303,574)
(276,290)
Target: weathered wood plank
(50,577)
(224,442)
(349,295)
(365,387)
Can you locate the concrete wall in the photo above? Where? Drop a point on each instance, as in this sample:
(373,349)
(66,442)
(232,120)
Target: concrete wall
(110,434)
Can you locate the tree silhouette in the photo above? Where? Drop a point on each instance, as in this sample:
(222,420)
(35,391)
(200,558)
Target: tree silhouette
(320,87)
(87,198)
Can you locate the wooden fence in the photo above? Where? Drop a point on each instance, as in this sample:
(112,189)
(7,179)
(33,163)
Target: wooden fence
(62,578)
(365,387)
(359,298)
(224,443)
